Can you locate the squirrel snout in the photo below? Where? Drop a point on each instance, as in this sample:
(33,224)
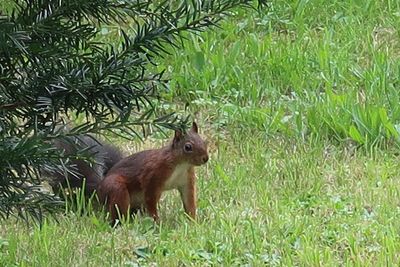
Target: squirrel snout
(205,158)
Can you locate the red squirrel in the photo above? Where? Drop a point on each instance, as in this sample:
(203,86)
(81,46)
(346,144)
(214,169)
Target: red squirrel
(138,181)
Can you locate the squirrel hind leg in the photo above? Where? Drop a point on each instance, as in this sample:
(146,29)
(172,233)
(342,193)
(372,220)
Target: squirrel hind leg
(118,203)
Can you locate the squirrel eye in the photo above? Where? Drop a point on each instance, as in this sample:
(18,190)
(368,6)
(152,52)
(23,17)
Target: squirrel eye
(188,147)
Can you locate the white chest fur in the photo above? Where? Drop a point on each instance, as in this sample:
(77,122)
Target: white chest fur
(178,177)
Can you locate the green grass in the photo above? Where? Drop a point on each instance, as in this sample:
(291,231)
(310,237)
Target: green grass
(274,202)
(301,106)
(295,68)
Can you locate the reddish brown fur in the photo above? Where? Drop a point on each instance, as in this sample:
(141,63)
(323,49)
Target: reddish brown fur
(138,180)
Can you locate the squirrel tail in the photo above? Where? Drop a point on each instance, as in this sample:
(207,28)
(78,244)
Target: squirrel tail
(82,173)
(112,156)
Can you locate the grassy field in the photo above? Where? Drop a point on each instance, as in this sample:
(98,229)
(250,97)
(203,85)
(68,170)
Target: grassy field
(301,106)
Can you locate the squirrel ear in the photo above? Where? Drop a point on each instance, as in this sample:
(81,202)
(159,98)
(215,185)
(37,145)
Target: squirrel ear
(194,127)
(178,136)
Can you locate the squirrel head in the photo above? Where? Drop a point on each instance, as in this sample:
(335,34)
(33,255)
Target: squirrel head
(190,146)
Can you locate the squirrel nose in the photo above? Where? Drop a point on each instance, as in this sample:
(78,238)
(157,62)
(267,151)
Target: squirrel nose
(205,159)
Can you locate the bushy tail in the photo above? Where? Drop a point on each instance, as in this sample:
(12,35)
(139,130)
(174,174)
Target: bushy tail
(82,173)
(112,156)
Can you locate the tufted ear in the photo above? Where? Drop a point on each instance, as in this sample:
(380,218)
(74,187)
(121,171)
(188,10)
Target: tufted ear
(194,127)
(178,136)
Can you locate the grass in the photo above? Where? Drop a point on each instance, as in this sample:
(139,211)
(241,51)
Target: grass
(275,202)
(300,103)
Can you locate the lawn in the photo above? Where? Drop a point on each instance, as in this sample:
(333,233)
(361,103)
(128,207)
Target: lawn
(300,104)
